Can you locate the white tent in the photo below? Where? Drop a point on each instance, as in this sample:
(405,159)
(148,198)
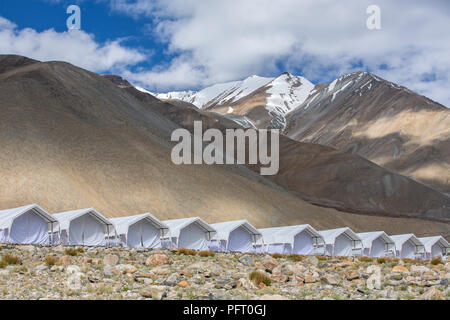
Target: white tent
(377,244)
(238,236)
(83,227)
(190,233)
(341,242)
(142,230)
(26,225)
(435,246)
(299,239)
(408,246)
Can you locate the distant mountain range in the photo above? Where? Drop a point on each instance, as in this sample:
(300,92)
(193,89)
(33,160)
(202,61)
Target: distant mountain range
(72,139)
(357,113)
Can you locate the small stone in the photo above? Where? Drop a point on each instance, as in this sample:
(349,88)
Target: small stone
(311,260)
(65,260)
(419,269)
(185,273)
(246,260)
(245,283)
(172,280)
(41,268)
(161,271)
(352,275)
(361,290)
(157,259)
(183,284)
(262,285)
(330,279)
(72,269)
(431,293)
(400,269)
(396,277)
(374,281)
(309,278)
(110,259)
(269,262)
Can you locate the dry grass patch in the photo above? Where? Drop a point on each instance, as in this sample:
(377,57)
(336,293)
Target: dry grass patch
(436,260)
(296,257)
(73,252)
(8,259)
(365,259)
(206,253)
(186,252)
(277,255)
(381,260)
(258,277)
(51,260)
(415,261)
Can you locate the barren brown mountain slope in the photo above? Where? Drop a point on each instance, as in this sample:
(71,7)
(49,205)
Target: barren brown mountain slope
(383,122)
(71,139)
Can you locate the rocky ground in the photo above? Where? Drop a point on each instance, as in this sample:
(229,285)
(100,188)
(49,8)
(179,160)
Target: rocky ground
(30,272)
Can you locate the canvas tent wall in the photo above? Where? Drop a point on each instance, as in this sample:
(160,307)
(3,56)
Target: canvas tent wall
(142,230)
(86,227)
(435,247)
(341,242)
(26,225)
(236,236)
(190,233)
(408,246)
(377,244)
(299,239)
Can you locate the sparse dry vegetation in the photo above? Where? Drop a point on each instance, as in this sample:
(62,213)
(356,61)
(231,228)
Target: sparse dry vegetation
(51,260)
(206,253)
(365,259)
(258,277)
(8,259)
(186,252)
(436,260)
(73,252)
(296,257)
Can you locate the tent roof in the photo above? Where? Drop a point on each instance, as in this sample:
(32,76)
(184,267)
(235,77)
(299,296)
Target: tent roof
(7,216)
(122,224)
(64,218)
(330,236)
(368,237)
(176,225)
(225,228)
(400,239)
(287,234)
(429,242)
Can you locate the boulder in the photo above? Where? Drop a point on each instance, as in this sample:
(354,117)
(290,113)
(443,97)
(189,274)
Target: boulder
(431,294)
(400,269)
(246,260)
(183,284)
(65,260)
(269,262)
(110,259)
(352,275)
(157,259)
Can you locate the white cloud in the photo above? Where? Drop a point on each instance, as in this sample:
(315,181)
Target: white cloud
(218,40)
(76,47)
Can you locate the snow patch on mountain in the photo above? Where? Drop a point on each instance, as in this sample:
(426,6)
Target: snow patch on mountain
(287,92)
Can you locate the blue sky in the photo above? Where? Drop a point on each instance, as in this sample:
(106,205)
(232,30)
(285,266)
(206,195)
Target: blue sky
(167,45)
